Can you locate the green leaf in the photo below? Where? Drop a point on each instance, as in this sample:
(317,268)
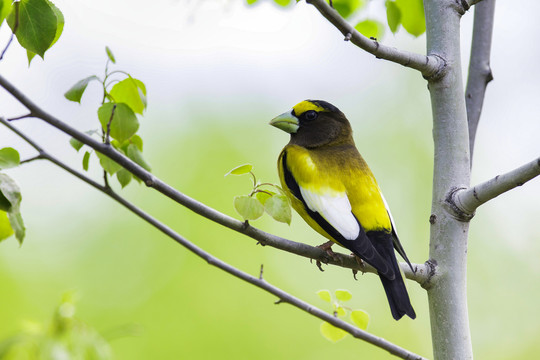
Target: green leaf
(135,154)
(360,318)
(331,332)
(137,141)
(59,28)
(393,15)
(76,92)
(347,7)
(124,177)
(17,223)
(279,208)
(250,2)
(370,28)
(5,227)
(412,16)
(325,295)
(282,2)
(124,123)
(262,196)
(76,144)
(248,207)
(343,295)
(9,157)
(131,92)
(240,170)
(109,165)
(85,161)
(5,9)
(34,23)
(11,192)
(340,311)
(110,54)
(5,204)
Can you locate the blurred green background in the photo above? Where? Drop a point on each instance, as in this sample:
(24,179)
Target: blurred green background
(216,73)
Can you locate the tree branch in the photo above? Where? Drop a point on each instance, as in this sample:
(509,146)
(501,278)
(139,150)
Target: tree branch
(471,2)
(430,66)
(466,201)
(479,70)
(283,296)
(422,274)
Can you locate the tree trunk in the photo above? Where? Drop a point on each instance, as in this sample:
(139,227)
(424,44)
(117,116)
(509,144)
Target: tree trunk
(447,293)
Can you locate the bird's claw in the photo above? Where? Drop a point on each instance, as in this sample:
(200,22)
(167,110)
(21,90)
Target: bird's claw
(327,247)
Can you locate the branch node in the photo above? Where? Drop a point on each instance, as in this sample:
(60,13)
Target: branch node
(455,208)
(431,265)
(439,72)
(279,301)
(348,36)
(433,219)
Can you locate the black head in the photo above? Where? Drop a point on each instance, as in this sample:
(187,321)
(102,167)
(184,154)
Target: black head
(313,123)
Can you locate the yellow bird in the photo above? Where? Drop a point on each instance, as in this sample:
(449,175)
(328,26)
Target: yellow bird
(332,188)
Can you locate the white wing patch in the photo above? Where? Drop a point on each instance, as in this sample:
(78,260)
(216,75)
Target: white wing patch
(388,211)
(335,208)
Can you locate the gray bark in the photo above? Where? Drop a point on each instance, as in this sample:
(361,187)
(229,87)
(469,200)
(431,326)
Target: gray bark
(447,294)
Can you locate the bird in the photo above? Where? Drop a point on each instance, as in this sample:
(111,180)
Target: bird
(332,188)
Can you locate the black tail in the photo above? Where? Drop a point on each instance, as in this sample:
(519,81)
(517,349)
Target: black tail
(395,289)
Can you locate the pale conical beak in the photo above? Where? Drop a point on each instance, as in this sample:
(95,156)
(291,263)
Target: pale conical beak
(286,122)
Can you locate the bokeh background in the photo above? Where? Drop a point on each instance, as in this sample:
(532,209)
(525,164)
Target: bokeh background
(216,73)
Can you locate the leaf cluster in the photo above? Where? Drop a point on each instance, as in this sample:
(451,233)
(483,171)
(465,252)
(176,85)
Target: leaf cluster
(37,24)
(406,13)
(261,199)
(122,100)
(358,317)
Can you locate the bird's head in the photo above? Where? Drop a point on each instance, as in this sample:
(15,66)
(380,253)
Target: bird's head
(313,123)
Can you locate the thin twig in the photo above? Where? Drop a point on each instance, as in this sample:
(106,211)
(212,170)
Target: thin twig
(108,132)
(479,69)
(212,260)
(37,157)
(29,115)
(15,27)
(430,66)
(468,200)
(421,276)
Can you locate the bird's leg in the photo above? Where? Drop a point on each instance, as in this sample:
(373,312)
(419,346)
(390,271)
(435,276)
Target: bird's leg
(327,247)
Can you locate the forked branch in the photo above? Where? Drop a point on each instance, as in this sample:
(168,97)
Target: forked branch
(430,66)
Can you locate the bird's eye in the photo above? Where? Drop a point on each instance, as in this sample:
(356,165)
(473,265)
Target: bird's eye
(311,115)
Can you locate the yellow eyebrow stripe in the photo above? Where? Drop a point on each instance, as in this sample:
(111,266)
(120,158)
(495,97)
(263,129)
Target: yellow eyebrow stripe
(304,106)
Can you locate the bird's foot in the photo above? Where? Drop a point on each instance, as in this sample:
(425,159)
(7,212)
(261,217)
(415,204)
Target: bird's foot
(361,264)
(327,247)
